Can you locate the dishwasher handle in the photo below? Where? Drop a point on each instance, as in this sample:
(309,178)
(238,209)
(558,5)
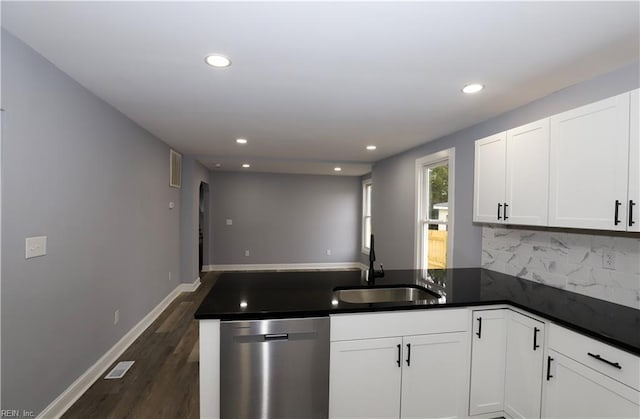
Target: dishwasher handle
(276,336)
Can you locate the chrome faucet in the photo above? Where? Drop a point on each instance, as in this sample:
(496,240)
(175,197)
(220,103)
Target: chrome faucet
(372,274)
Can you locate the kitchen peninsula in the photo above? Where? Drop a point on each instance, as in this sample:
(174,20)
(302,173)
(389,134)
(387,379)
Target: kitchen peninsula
(465,295)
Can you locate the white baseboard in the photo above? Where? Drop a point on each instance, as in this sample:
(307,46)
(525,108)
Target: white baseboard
(186,287)
(65,400)
(283,266)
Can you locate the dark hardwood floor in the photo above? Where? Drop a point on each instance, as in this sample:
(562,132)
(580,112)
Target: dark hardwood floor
(163,382)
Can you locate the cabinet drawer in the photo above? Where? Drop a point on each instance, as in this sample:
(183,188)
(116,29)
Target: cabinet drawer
(615,363)
(398,323)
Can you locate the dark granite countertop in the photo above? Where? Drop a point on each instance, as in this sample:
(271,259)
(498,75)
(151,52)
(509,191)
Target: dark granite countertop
(263,295)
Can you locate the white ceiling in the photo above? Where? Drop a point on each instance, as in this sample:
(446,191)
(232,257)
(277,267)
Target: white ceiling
(313,83)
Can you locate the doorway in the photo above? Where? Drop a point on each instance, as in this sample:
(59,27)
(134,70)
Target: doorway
(203,226)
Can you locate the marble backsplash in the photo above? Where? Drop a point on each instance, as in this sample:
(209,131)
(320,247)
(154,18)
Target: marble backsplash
(575,261)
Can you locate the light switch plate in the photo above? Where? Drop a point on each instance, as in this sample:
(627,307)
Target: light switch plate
(35,246)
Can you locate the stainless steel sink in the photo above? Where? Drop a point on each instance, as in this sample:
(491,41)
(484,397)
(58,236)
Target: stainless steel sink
(384,295)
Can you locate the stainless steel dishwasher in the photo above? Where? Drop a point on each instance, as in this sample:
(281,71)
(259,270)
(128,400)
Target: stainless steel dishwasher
(274,369)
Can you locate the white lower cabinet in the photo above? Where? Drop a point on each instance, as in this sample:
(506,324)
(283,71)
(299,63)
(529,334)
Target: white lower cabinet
(523,366)
(586,378)
(506,364)
(488,352)
(576,391)
(434,376)
(407,376)
(427,364)
(365,378)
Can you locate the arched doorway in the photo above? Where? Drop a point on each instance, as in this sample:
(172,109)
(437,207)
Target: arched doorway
(203,226)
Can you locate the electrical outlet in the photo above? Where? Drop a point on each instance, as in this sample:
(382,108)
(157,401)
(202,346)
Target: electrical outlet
(116,316)
(247,253)
(328,252)
(608,259)
(229,221)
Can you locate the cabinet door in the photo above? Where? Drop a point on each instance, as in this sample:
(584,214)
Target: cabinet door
(488,353)
(435,376)
(573,390)
(364,378)
(527,182)
(589,165)
(633,215)
(524,364)
(489,178)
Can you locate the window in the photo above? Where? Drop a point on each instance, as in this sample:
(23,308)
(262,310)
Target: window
(434,210)
(175,169)
(366,215)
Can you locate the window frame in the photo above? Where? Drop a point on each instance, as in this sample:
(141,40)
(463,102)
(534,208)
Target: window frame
(422,164)
(366,214)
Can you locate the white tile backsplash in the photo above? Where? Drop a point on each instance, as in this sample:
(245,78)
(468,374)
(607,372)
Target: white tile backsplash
(569,260)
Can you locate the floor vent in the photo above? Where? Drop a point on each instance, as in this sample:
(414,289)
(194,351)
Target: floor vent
(119,370)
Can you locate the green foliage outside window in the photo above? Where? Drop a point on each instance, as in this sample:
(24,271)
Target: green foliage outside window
(438,188)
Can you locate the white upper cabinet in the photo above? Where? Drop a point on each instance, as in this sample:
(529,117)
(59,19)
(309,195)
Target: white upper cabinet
(527,184)
(489,178)
(633,211)
(576,169)
(511,176)
(589,161)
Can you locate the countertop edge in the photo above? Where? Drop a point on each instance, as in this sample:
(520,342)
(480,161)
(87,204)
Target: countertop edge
(322,313)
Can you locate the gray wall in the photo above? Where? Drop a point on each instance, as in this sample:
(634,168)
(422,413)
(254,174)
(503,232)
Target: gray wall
(192,174)
(284,218)
(95,183)
(394,178)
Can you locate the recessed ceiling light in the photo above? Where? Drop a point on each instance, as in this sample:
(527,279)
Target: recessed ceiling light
(337,169)
(472,88)
(371,147)
(246,165)
(217,60)
(241,141)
